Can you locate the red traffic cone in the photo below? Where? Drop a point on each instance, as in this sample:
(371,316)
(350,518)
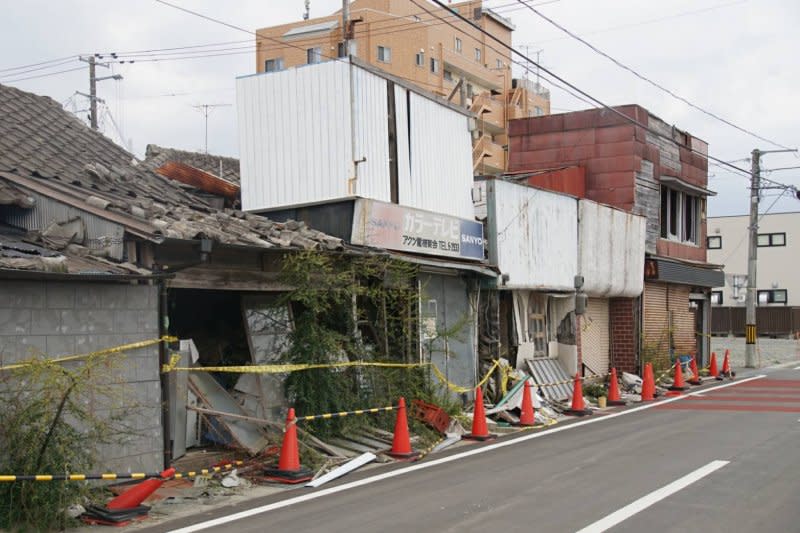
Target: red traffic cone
(480,430)
(526,416)
(289,469)
(401,444)
(134,496)
(712,367)
(613,389)
(695,380)
(578,406)
(726,365)
(648,384)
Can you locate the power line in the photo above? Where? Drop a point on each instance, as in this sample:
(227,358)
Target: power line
(646,79)
(647,22)
(577,89)
(38,64)
(44,75)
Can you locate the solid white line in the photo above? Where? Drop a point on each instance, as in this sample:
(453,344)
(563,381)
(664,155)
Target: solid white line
(797,368)
(654,497)
(422,466)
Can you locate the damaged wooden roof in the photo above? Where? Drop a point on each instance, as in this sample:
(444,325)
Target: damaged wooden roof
(18,253)
(46,149)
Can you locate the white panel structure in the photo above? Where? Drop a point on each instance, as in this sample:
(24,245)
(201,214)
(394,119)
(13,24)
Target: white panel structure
(533,236)
(441,160)
(611,250)
(297,147)
(595,342)
(372,135)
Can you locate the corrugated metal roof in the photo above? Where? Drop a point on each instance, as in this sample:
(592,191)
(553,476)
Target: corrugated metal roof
(546,371)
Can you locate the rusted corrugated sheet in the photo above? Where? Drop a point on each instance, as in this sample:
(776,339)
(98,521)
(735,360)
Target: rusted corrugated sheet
(199,179)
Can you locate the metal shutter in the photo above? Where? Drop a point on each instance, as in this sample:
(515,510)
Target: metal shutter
(595,345)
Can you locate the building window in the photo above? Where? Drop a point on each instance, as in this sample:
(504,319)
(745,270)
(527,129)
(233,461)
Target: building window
(538,111)
(478,55)
(470,90)
(273,65)
(499,63)
(680,216)
(773,296)
(340,50)
(384,54)
(434,66)
(314,55)
(714,242)
(458,45)
(716,297)
(771,239)
(448,75)
(420,59)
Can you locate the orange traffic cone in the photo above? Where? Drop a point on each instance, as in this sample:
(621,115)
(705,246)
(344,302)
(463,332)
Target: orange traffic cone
(678,385)
(526,416)
(480,430)
(578,406)
(726,365)
(712,367)
(401,444)
(695,380)
(289,469)
(613,389)
(134,496)
(648,384)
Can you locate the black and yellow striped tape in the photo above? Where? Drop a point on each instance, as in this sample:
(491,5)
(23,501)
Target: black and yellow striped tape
(109,476)
(340,414)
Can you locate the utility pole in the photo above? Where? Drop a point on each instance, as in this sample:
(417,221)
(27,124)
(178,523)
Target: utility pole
(93,79)
(751,296)
(752,255)
(206,109)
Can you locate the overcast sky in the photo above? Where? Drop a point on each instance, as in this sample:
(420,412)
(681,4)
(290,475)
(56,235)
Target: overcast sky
(735,58)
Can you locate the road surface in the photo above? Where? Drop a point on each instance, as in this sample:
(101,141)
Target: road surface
(725,460)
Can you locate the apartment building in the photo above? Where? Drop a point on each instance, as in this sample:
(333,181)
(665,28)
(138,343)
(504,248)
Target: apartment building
(430,47)
(777,282)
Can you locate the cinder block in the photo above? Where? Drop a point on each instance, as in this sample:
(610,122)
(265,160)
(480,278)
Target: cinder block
(77,321)
(15,321)
(114,297)
(23,294)
(88,296)
(60,345)
(60,295)
(137,296)
(45,321)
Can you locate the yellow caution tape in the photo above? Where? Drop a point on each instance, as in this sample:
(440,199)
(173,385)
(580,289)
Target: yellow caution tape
(106,351)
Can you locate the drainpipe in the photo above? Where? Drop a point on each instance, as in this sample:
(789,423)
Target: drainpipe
(163,358)
(352,183)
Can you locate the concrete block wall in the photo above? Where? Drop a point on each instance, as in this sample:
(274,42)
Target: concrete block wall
(66,318)
(623,339)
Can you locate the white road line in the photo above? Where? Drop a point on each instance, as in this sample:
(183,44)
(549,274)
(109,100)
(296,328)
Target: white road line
(797,368)
(428,464)
(654,497)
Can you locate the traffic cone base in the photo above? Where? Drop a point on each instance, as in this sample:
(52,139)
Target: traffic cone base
(578,406)
(613,390)
(480,431)
(290,477)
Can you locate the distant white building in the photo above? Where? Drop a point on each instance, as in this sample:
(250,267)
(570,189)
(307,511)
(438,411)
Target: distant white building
(777,279)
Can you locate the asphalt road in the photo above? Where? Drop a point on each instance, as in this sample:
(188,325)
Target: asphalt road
(728,460)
